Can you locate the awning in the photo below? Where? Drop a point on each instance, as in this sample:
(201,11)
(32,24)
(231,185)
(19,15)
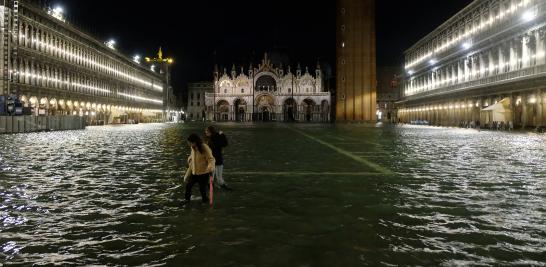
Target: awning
(500,111)
(501,106)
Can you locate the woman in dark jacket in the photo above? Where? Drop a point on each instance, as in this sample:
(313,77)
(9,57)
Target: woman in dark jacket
(217,141)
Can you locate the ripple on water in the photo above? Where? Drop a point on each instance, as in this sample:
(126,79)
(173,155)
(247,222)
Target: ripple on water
(110,196)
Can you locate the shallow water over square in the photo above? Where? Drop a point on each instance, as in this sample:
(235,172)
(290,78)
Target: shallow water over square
(305,195)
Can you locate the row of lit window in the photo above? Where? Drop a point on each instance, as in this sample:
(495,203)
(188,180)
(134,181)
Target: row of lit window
(473,30)
(86,105)
(88,87)
(103,67)
(531,100)
(467,75)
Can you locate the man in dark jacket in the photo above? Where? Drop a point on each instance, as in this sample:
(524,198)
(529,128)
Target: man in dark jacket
(217,141)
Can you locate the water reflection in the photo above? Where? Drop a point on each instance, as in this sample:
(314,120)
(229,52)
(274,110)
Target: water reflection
(110,196)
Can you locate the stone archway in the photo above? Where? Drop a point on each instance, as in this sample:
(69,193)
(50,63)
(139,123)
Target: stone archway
(240,109)
(222,108)
(24,101)
(265,107)
(43,106)
(53,106)
(308,109)
(290,109)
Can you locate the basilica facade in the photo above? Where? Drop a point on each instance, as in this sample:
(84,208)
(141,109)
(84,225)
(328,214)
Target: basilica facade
(268,93)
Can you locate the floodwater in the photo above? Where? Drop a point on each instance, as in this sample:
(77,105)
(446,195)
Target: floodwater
(304,195)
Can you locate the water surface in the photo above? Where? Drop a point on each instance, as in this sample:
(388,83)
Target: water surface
(305,195)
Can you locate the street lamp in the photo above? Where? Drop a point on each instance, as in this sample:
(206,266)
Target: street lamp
(111,44)
(528,16)
(136,59)
(164,66)
(57,12)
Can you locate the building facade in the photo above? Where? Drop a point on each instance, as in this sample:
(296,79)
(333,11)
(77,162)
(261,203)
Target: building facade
(389,83)
(356,61)
(486,65)
(196,107)
(52,68)
(268,93)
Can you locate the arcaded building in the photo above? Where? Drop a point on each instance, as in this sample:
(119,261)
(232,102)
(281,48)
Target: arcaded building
(196,107)
(389,82)
(485,65)
(53,68)
(269,93)
(356,61)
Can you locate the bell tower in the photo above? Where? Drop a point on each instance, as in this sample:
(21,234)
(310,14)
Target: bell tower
(356,61)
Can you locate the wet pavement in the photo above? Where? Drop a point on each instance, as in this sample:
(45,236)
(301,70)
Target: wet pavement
(305,195)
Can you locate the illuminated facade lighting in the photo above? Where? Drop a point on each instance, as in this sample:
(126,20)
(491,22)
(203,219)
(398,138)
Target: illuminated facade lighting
(87,61)
(435,46)
(58,13)
(143,99)
(111,44)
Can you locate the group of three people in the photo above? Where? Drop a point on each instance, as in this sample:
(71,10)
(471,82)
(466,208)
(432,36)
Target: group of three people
(206,159)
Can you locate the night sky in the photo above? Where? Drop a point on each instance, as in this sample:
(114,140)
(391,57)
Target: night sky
(199,33)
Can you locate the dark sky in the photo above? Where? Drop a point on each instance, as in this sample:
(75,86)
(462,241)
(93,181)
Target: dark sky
(241,31)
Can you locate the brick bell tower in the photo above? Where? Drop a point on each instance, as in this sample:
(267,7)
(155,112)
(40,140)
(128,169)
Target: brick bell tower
(356,61)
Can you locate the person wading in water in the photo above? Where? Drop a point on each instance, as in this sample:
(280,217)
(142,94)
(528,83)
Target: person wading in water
(201,165)
(217,141)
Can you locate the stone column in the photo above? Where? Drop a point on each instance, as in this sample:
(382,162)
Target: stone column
(432,80)
(491,65)
(482,66)
(513,56)
(454,74)
(539,108)
(526,51)
(524,115)
(466,70)
(540,47)
(500,59)
(460,71)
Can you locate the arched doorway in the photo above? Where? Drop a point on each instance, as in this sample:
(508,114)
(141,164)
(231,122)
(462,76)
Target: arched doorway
(265,104)
(33,101)
(266,114)
(308,109)
(43,106)
(53,106)
(223,110)
(240,110)
(290,108)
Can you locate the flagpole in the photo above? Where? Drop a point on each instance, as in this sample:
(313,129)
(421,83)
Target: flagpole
(214,88)
(253,92)
(293,100)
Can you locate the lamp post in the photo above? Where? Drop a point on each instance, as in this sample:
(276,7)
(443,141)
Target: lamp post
(164,64)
